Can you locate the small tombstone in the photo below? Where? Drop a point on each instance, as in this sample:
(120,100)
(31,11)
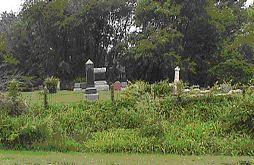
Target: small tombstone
(117,86)
(77,87)
(40,87)
(196,86)
(225,87)
(83,85)
(58,85)
(187,89)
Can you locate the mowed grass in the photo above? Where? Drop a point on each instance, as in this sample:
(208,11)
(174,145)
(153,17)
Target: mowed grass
(191,134)
(62,98)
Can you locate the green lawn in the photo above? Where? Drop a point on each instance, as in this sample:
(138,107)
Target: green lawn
(63,97)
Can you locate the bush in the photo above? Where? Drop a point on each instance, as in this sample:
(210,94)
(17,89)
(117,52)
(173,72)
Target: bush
(163,88)
(51,83)
(136,90)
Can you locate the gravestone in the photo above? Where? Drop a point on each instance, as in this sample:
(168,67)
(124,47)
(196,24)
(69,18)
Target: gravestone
(100,79)
(83,85)
(225,87)
(124,84)
(196,88)
(91,91)
(117,86)
(58,85)
(187,89)
(40,87)
(177,69)
(101,85)
(77,87)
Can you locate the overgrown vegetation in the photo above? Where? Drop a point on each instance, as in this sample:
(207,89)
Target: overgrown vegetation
(137,123)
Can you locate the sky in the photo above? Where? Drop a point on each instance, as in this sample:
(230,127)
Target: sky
(14,5)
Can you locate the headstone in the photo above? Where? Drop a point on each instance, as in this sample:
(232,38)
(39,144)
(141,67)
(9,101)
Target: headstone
(91,91)
(238,91)
(83,85)
(124,84)
(117,86)
(101,85)
(177,69)
(40,87)
(58,85)
(187,89)
(100,79)
(225,87)
(77,87)
(196,88)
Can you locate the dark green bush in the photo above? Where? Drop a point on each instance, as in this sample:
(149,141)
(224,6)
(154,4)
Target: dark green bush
(163,88)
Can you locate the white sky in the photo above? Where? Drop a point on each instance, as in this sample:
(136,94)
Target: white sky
(8,5)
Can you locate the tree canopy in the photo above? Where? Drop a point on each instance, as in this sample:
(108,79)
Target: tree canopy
(209,40)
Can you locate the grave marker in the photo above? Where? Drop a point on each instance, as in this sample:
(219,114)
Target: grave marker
(77,87)
(177,69)
(91,91)
(100,79)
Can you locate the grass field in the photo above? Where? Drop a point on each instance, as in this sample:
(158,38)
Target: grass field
(74,158)
(187,137)
(63,97)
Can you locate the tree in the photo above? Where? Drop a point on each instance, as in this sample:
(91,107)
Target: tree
(237,55)
(185,33)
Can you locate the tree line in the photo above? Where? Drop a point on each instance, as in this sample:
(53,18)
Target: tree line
(209,40)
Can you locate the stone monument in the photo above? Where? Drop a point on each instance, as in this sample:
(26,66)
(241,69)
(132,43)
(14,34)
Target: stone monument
(100,79)
(77,87)
(91,91)
(177,69)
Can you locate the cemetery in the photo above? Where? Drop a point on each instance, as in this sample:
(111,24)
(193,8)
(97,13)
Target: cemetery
(127,82)
(175,106)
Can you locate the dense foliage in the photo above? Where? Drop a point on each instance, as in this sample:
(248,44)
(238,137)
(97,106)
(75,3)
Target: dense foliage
(135,124)
(204,38)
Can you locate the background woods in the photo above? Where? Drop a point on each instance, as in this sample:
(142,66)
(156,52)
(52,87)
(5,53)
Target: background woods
(209,40)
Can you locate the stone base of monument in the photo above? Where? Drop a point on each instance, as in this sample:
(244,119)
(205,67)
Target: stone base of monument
(102,87)
(77,89)
(91,94)
(92,97)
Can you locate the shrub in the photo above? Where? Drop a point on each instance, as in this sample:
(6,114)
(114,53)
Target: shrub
(51,83)
(135,90)
(163,88)
(13,106)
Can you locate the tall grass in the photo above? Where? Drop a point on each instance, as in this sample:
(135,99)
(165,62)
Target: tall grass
(136,123)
